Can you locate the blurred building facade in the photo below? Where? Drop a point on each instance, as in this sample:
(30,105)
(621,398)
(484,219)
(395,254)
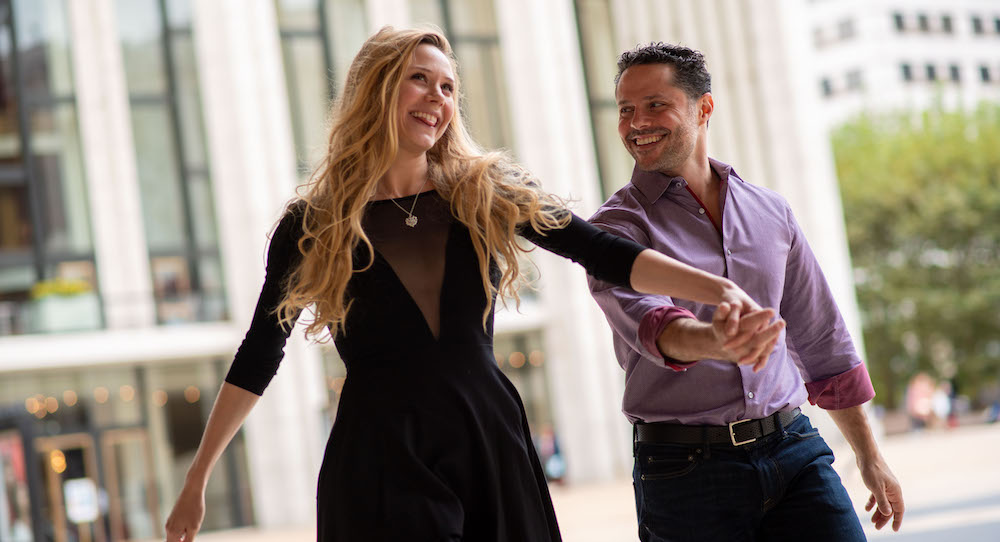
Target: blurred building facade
(147,147)
(881,55)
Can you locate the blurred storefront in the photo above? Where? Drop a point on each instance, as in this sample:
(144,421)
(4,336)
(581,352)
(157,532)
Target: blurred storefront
(124,436)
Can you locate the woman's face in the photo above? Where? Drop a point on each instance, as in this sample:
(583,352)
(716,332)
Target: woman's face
(426,100)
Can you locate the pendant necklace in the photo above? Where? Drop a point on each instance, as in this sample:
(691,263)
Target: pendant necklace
(411,219)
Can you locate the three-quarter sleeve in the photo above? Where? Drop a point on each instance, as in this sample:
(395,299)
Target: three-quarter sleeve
(831,366)
(258,357)
(605,256)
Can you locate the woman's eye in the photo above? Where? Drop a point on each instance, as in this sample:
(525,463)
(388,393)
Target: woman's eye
(448,87)
(420,76)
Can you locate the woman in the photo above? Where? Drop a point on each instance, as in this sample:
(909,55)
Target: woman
(401,244)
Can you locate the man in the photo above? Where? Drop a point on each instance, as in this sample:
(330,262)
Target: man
(722,451)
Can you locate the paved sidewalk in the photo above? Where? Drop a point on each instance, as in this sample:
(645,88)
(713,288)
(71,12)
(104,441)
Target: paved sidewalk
(950,478)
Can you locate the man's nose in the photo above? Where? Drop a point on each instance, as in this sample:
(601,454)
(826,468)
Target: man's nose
(639,120)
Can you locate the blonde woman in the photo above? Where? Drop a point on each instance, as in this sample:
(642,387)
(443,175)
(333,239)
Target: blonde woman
(400,246)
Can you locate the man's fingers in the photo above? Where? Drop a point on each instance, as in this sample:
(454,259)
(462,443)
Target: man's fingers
(897,506)
(750,326)
(884,507)
(763,343)
(733,321)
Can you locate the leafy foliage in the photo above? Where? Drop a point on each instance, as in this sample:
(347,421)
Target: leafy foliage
(921,195)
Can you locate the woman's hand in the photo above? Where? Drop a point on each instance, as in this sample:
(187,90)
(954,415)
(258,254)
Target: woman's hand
(186,517)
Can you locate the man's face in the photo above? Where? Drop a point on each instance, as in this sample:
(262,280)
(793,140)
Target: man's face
(657,121)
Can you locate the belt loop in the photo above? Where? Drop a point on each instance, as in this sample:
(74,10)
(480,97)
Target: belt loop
(705,442)
(635,440)
(781,426)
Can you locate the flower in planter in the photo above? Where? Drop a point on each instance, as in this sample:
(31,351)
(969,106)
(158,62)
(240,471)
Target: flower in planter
(59,287)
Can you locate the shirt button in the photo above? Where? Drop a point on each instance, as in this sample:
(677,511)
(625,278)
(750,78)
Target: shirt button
(750,395)
(701,211)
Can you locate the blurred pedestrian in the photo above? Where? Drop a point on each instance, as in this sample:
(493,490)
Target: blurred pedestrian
(723,452)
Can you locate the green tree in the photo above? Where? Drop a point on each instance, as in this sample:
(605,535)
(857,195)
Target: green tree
(921,195)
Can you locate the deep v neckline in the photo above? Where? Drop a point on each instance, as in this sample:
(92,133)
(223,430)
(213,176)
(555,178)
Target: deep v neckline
(397,279)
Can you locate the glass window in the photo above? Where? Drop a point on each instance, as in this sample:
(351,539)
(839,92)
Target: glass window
(899,21)
(855,80)
(172,159)
(955,73)
(984,73)
(48,280)
(845,29)
(826,86)
(907,72)
(818,40)
(931,72)
(319,38)
(597,42)
(977,25)
(946,26)
(996,25)
(923,22)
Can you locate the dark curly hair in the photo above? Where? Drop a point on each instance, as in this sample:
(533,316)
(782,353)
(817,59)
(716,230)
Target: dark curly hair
(690,73)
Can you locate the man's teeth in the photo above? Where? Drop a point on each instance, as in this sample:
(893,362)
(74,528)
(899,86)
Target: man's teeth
(431,119)
(647,140)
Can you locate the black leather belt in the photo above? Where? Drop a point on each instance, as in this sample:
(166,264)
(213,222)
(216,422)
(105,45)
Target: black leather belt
(734,434)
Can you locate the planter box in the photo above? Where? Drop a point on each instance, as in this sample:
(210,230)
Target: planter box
(56,313)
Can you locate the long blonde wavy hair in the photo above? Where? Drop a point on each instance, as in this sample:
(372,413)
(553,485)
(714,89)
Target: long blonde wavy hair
(488,192)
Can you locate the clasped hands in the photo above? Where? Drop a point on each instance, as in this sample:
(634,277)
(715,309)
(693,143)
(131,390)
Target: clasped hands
(744,333)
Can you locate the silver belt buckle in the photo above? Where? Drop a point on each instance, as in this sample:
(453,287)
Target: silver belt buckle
(732,433)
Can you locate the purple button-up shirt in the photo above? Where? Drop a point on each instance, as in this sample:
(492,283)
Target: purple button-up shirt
(762,249)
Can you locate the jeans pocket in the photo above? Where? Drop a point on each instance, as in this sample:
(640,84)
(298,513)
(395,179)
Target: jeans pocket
(665,467)
(803,436)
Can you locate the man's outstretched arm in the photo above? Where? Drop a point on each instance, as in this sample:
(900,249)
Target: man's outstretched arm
(887,496)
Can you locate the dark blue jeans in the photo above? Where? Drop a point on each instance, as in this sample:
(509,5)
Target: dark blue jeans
(780,488)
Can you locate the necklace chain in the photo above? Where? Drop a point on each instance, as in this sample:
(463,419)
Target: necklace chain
(411,219)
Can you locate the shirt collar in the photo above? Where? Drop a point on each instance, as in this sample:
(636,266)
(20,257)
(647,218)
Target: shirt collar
(653,184)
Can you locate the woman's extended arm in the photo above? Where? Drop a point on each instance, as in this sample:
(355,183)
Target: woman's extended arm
(656,273)
(231,407)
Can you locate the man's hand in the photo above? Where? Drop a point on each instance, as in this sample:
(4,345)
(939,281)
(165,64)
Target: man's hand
(745,338)
(887,495)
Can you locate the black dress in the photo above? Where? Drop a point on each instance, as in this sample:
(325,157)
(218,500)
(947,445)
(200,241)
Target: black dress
(430,441)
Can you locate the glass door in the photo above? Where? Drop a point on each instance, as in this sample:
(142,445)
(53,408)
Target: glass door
(72,506)
(128,473)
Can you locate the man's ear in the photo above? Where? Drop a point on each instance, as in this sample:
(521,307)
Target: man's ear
(706,106)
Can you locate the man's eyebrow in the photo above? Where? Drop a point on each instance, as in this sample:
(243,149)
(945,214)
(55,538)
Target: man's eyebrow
(428,70)
(650,97)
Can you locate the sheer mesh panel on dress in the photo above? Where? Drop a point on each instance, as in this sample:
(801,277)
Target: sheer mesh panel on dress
(416,254)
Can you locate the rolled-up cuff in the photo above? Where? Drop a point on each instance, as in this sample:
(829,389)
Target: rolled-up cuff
(651,327)
(848,389)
